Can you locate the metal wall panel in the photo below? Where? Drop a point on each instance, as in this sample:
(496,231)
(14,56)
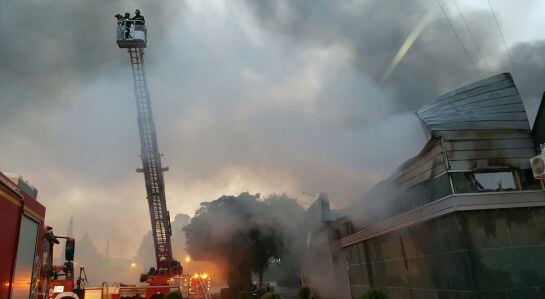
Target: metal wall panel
(498,97)
(505,104)
(489,164)
(491,154)
(482,134)
(424,176)
(489,104)
(455,145)
(439,159)
(498,82)
(427,164)
(482,125)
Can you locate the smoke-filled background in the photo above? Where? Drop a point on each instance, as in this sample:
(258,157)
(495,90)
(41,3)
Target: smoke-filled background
(260,96)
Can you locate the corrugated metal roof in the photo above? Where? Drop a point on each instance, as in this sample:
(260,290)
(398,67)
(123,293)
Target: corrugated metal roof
(490,104)
(481,127)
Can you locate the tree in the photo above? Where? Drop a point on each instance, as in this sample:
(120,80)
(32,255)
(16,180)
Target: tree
(265,244)
(244,295)
(243,232)
(303,293)
(174,295)
(374,294)
(271,296)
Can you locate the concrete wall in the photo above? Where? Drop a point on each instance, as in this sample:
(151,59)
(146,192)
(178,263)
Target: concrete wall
(497,253)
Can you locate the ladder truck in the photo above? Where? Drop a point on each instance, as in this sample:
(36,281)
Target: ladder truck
(131,35)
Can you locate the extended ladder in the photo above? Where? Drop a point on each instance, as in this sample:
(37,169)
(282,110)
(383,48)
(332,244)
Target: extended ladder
(151,165)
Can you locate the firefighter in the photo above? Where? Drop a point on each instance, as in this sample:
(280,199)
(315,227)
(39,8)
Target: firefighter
(119,20)
(128,22)
(138,21)
(138,18)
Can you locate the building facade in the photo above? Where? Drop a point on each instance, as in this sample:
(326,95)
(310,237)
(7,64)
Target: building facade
(464,218)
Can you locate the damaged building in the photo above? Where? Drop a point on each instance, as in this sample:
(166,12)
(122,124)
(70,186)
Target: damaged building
(465,217)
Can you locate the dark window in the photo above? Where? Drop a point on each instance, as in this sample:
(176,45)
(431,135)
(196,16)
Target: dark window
(462,182)
(495,181)
(472,182)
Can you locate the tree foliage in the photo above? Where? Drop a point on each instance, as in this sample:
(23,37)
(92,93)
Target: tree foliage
(244,295)
(243,232)
(174,295)
(271,296)
(303,293)
(374,294)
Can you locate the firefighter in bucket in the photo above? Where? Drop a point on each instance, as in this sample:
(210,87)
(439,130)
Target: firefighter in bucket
(131,32)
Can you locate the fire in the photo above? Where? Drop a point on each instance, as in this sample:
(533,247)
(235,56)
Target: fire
(202,276)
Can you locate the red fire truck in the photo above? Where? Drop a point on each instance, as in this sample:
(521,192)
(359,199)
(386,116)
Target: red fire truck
(26,247)
(21,246)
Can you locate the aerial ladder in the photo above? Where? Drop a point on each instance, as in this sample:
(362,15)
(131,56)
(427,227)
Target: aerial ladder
(131,35)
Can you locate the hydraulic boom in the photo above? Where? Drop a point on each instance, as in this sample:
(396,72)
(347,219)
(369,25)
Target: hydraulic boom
(151,159)
(151,164)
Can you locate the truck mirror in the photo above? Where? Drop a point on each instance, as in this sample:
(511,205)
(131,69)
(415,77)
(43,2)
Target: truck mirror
(69,249)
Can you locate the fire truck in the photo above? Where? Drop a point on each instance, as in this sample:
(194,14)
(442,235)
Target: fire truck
(27,244)
(21,246)
(132,35)
(26,250)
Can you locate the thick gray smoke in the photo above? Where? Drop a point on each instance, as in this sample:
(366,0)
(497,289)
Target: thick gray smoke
(261,96)
(247,236)
(46,45)
(529,73)
(373,31)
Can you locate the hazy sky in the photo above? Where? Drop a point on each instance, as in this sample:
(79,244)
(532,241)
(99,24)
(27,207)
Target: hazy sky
(259,96)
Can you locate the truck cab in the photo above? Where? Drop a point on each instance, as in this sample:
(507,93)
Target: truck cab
(20,238)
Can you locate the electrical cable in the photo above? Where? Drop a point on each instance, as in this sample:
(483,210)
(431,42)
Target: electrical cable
(472,36)
(501,34)
(459,40)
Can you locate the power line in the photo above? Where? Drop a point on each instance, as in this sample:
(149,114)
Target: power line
(472,36)
(501,34)
(459,40)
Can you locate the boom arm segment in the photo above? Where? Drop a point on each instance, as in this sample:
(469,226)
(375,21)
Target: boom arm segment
(151,165)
